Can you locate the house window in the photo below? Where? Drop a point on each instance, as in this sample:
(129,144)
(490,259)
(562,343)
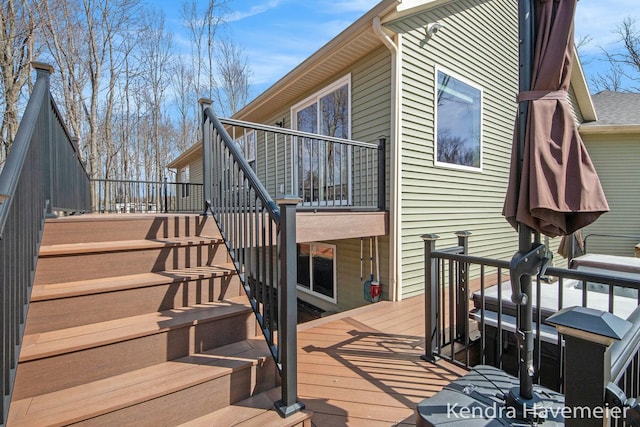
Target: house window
(184,179)
(247,144)
(317,270)
(322,167)
(458,122)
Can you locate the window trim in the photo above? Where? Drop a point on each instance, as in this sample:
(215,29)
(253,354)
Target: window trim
(310,290)
(436,162)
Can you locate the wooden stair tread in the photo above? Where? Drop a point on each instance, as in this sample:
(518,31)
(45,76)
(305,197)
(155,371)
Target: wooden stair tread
(131,281)
(99,397)
(62,341)
(123,245)
(257,411)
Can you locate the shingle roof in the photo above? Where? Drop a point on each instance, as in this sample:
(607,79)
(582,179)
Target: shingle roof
(617,108)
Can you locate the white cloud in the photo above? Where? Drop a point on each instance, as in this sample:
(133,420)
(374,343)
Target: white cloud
(253,10)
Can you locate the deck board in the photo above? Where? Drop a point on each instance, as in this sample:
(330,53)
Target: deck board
(363,367)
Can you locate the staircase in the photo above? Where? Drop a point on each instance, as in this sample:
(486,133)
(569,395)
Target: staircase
(141,320)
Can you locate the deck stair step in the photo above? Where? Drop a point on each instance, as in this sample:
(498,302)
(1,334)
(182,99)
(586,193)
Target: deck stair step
(95,228)
(134,342)
(67,304)
(123,245)
(255,411)
(83,261)
(167,393)
(139,320)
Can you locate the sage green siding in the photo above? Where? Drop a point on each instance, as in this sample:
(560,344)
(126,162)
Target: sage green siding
(617,161)
(478,43)
(370,120)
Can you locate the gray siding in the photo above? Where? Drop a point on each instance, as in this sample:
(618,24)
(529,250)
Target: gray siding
(478,43)
(617,161)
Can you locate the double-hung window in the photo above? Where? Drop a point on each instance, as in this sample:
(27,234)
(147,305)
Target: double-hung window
(458,122)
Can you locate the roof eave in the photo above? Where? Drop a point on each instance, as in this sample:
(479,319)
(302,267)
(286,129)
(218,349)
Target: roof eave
(182,158)
(363,24)
(581,90)
(618,129)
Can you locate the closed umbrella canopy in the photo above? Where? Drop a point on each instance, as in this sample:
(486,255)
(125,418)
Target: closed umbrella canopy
(555,189)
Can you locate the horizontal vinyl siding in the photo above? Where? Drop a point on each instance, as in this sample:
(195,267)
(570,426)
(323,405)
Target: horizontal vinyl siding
(195,171)
(370,116)
(617,161)
(479,43)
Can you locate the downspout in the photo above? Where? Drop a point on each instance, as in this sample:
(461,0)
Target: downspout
(395,213)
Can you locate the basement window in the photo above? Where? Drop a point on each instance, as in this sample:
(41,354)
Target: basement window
(317,270)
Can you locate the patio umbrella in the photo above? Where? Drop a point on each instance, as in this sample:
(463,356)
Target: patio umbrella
(557,191)
(553,187)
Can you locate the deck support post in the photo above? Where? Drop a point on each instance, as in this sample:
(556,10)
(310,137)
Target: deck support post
(430,299)
(288,307)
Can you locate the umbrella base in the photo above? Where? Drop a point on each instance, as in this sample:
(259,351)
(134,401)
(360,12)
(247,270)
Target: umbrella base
(478,399)
(526,409)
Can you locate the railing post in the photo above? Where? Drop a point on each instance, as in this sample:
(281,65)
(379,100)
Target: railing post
(430,298)
(462,297)
(44,71)
(207,155)
(288,312)
(588,335)
(166,196)
(382,174)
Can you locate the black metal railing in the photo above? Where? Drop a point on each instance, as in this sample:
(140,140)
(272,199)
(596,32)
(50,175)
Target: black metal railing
(260,236)
(470,322)
(128,196)
(43,174)
(324,171)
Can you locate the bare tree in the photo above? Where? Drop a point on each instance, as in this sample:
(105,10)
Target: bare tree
(61,24)
(156,49)
(232,88)
(183,83)
(624,60)
(17,50)
(202,24)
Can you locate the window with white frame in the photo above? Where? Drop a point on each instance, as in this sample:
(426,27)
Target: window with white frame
(458,122)
(323,167)
(247,144)
(317,270)
(184,180)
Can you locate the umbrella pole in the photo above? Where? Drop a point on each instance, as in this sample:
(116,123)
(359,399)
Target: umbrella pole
(526,260)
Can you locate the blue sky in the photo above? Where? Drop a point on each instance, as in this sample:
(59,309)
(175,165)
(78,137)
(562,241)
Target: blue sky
(277,35)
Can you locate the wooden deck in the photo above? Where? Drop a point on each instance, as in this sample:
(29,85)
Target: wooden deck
(363,367)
